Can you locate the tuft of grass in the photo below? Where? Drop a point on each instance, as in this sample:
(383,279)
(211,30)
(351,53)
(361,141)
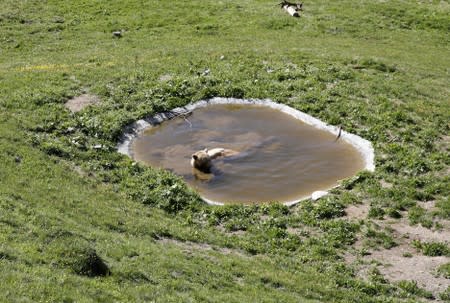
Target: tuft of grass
(411,287)
(445,295)
(444,270)
(393,213)
(432,249)
(376,212)
(376,238)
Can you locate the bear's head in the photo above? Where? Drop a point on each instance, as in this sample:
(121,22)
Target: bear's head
(201,160)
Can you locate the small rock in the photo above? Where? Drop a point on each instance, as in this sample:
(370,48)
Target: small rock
(18,159)
(318,194)
(78,103)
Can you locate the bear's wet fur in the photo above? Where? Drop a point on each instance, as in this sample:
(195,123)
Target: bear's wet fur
(202,160)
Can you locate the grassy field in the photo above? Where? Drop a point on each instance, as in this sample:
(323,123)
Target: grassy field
(82,223)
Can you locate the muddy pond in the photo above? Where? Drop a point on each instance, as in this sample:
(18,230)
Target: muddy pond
(280,158)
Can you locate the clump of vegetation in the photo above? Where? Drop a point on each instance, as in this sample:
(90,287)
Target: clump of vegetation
(6,255)
(377,237)
(393,213)
(324,209)
(79,256)
(418,215)
(432,249)
(444,270)
(328,208)
(445,295)
(411,287)
(407,255)
(376,212)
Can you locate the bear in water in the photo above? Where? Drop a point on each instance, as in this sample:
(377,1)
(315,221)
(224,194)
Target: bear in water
(202,160)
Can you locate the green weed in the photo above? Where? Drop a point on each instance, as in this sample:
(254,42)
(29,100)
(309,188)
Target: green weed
(432,249)
(411,288)
(444,270)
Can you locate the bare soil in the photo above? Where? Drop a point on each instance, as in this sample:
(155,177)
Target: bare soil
(76,104)
(403,262)
(358,212)
(422,269)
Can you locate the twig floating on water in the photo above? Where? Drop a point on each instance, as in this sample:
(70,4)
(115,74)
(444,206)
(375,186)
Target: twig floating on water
(186,119)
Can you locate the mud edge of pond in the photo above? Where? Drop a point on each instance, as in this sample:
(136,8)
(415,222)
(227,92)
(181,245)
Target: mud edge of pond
(363,146)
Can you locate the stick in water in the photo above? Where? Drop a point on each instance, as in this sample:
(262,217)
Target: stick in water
(339,134)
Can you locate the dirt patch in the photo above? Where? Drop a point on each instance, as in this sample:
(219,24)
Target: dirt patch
(358,212)
(418,232)
(78,103)
(402,262)
(422,269)
(429,205)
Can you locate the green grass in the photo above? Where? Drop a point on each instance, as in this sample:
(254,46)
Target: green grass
(411,287)
(444,270)
(379,69)
(432,249)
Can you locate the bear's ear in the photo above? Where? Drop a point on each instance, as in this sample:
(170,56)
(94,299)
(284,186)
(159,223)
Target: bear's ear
(205,150)
(195,157)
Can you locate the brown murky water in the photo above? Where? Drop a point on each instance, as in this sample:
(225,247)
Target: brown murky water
(281,158)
